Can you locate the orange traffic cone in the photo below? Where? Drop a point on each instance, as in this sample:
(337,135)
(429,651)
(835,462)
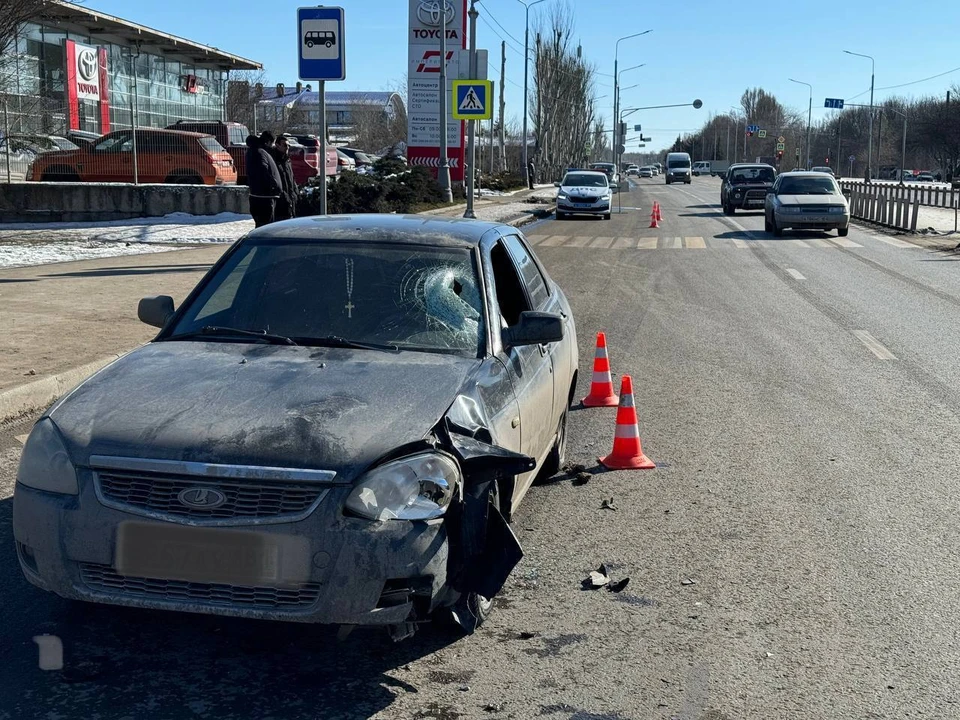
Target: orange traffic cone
(659,214)
(601,387)
(627,452)
(653,217)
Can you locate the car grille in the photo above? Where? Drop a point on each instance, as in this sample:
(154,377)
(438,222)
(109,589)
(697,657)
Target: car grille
(584,200)
(814,209)
(245,499)
(756,194)
(105,579)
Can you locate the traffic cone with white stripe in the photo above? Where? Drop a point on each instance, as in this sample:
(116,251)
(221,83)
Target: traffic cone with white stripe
(627,451)
(601,387)
(653,217)
(656,205)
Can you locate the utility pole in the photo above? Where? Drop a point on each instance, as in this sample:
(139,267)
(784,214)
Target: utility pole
(726,155)
(443,177)
(879,138)
(870,131)
(503,124)
(491,139)
(472,124)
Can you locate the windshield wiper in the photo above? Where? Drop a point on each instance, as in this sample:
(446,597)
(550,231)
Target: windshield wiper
(217,331)
(337,341)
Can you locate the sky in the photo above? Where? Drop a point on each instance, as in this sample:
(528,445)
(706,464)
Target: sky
(710,50)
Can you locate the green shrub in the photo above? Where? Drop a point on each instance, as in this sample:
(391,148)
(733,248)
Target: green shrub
(503,181)
(393,187)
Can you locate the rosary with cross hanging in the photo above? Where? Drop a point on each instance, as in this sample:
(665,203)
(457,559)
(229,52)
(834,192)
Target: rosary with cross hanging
(349,306)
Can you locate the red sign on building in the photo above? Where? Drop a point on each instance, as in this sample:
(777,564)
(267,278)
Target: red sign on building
(87,81)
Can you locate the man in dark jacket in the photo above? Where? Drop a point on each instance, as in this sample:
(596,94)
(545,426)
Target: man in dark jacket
(287,202)
(263,177)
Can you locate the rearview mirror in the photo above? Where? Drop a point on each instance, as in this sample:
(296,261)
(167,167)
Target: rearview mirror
(534,328)
(156,310)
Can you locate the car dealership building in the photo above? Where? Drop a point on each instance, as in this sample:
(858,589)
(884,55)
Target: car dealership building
(73,68)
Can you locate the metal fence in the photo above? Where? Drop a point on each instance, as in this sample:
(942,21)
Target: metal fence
(892,207)
(927,196)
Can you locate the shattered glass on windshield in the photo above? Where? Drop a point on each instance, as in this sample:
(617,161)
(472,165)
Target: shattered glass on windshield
(449,297)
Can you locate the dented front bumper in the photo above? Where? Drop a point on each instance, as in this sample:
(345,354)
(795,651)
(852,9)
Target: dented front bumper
(332,569)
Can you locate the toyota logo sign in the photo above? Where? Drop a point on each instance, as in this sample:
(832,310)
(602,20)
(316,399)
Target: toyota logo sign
(431,12)
(87,65)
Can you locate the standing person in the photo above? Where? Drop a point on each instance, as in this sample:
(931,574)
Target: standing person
(531,173)
(263,178)
(287,202)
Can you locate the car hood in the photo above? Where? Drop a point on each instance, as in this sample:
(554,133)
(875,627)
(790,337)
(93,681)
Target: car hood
(812,200)
(581,190)
(262,405)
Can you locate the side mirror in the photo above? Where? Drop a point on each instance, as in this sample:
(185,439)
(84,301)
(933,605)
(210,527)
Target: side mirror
(556,184)
(615,189)
(534,328)
(155,311)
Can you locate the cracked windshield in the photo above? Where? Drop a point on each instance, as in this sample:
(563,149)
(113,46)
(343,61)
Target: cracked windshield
(462,359)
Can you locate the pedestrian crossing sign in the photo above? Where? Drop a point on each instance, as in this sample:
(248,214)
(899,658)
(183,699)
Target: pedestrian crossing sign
(472,99)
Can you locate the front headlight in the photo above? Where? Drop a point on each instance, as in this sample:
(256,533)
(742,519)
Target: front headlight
(45,464)
(789,209)
(561,195)
(419,487)
(838,209)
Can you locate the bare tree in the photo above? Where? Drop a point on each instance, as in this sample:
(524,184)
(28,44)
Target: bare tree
(243,94)
(13,15)
(563,108)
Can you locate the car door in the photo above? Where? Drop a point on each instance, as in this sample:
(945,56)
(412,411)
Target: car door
(769,203)
(546,298)
(530,367)
(104,162)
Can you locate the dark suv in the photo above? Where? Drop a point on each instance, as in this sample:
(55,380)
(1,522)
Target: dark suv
(746,186)
(232,135)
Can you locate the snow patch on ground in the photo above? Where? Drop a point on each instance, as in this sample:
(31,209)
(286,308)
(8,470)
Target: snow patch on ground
(40,243)
(22,255)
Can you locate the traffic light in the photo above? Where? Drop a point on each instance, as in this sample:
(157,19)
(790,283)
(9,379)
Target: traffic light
(779,154)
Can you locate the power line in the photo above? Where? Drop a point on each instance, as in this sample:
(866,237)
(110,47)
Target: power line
(906,84)
(493,17)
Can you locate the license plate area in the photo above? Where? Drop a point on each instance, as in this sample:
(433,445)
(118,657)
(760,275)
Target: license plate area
(210,555)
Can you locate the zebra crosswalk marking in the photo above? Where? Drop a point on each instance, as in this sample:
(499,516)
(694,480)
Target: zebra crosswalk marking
(843,242)
(695,243)
(673,243)
(602,242)
(647,243)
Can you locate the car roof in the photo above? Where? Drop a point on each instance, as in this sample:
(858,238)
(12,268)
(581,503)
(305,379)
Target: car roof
(372,227)
(587,172)
(751,165)
(802,173)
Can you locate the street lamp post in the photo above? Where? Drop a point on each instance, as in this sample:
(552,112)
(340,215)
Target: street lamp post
(472,124)
(618,91)
(616,94)
(526,75)
(809,116)
(873,65)
(443,175)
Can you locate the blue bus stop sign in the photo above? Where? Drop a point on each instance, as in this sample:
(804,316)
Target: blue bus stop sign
(320,43)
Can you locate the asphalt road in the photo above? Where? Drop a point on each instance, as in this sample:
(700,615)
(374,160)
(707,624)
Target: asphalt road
(794,555)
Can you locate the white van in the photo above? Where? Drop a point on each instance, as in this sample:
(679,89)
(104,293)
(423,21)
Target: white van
(678,168)
(701,167)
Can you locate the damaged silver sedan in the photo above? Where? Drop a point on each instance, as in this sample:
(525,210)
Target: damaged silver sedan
(335,427)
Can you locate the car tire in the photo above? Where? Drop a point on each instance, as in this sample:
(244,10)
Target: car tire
(183,178)
(607,216)
(775,229)
(766,224)
(561,215)
(728,209)
(843,232)
(558,454)
(689,181)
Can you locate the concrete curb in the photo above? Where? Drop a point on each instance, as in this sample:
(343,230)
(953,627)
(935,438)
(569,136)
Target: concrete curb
(41,393)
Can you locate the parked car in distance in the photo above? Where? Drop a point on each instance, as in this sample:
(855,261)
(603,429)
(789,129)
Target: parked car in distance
(360,158)
(231,135)
(345,162)
(806,201)
(305,158)
(23,150)
(701,167)
(745,186)
(633,170)
(584,192)
(646,171)
(341,456)
(926,177)
(823,169)
(678,168)
(609,169)
(163,156)
(82,138)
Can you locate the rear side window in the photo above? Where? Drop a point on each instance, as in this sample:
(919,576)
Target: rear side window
(532,277)
(211,145)
(238,135)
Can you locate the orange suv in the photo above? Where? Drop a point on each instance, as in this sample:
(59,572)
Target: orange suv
(163,156)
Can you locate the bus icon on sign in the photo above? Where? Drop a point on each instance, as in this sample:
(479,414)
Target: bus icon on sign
(326,38)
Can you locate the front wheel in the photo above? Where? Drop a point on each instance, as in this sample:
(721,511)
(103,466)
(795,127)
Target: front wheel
(558,453)
(607,216)
(766,224)
(843,232)
(776,229)
(561,215)
(472,609)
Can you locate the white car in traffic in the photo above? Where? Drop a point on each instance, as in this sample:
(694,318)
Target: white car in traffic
(584,192)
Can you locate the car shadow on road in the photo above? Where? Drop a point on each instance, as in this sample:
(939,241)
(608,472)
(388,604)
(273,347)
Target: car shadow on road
(135,270)
(717,213)
(126,662)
